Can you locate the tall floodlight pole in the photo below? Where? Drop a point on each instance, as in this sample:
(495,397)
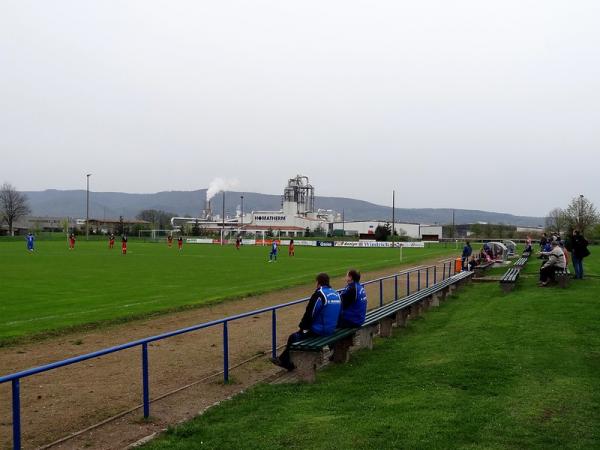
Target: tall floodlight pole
(242,216)
(87,206)
(343,223)
(393,215)
(454,229)
(580,213)
(223,227)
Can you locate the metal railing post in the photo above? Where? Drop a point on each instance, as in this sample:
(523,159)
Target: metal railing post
(449,269)
(408,283)
(444,272)
(395,287)
(427,278)
(16,414)
(225,353)
(418,280)
(380,292)
(145,383)
(434,274)
(274,333)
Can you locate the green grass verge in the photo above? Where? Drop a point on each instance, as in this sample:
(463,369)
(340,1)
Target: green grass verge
(485,370)
(54,289)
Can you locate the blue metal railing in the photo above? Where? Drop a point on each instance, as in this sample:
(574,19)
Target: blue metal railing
(15,378)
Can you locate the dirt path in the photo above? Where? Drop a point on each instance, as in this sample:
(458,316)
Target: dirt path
(72,398)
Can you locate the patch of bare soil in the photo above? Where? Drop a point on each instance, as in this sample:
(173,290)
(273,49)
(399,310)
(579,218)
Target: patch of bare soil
(63,401)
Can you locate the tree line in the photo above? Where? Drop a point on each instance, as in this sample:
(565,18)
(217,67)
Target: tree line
(580,214)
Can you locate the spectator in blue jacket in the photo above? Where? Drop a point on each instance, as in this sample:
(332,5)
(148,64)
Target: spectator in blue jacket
(466,253)
(354,302)
(320,318)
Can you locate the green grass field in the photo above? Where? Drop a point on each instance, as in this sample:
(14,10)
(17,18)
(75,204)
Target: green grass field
(54,289)
(485,370)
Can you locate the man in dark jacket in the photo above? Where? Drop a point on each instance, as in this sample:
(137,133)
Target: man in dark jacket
(354,302)
(579,251)
(466,253)
(320,318)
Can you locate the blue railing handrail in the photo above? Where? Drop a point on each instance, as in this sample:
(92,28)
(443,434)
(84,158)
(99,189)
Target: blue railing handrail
(16,377)
(158,337)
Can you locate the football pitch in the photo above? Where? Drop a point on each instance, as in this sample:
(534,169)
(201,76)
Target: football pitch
(53,289)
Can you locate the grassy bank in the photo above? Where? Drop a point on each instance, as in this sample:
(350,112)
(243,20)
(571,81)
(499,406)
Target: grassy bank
(485,370)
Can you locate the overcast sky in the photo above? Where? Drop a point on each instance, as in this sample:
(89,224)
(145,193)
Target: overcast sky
(501,98)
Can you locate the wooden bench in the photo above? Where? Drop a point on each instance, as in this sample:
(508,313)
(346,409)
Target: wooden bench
(307,354)
(509,279)
(520,263)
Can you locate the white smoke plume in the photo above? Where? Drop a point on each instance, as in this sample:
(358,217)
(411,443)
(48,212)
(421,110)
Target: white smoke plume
(219,185)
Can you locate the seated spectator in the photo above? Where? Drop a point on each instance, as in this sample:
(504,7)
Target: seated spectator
(484,255)
(556,261)
(528,245)
(320,318)
(472,263)
(354,302)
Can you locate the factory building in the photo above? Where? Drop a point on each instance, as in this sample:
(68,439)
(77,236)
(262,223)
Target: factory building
(297,215)
(366,228)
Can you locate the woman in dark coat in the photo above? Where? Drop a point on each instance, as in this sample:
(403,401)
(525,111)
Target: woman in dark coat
(579,251)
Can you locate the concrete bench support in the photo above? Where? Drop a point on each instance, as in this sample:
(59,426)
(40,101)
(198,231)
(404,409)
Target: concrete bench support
(341,350)
(385,326)
(402,318)
(562,279)
(364,337)
(507,287)
(306,365)
(416,310)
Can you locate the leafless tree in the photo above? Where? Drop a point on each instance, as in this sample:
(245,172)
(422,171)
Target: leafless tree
(13,205)
(557,221)
(581,214)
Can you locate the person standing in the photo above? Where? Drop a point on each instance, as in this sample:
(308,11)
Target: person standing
(170,240)
(354,302)
(111,241)
(291,249)
(124,244)
(71,241)
(238,242)
(30,241)
(319,319)
(543,241)
(579,250)
(273,254)
(466,253)
(180,243)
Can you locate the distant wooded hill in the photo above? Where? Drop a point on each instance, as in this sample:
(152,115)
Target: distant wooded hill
(71,203)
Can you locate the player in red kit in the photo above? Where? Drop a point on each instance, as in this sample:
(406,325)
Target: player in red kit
(291,248)
(238,242)
(71,241)
(170,241)
(124,245)
(111,241)
(180,243)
